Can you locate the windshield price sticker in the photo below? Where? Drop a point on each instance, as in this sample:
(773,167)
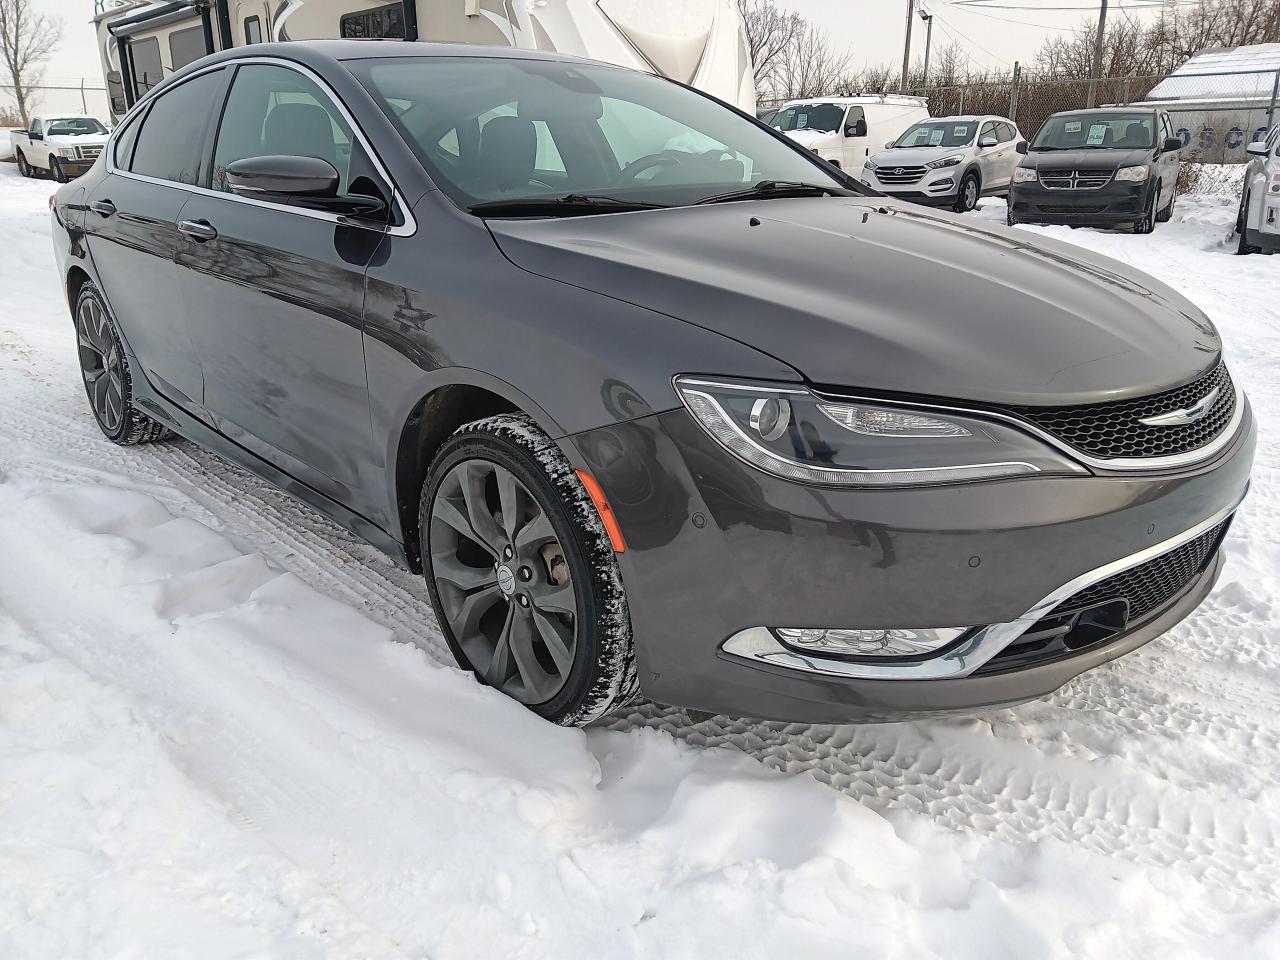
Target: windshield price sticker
(1072,126)
(935,137)
(1097,133)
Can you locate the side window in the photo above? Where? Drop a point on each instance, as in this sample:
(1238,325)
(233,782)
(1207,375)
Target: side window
(252,30)
(988,129)
(37,128)
(186,46)
(1007,132)
(380,23)
(144,55)
(170,142)
(855,122)
(125,140)
(274,110)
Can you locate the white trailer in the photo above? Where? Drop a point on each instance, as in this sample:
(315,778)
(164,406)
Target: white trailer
(698,42)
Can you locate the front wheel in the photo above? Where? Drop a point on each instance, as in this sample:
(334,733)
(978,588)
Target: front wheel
(1165,215)
(523,578)
(1242,244)
(967,199)
(55,166)
(1147,223)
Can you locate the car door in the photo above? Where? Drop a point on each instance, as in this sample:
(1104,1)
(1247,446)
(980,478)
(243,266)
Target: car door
(133,237)
(38,153)
(1167,162)
(988,157)
(275,292)
(1007,157)
(855,141)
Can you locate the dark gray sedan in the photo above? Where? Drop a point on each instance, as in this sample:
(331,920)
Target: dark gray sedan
(656,401)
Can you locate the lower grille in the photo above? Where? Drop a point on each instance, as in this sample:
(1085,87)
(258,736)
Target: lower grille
(900,174)
(1076,208)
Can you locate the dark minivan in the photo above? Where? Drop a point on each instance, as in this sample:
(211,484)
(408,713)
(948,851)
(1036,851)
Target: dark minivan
(1098,168)
(657,401)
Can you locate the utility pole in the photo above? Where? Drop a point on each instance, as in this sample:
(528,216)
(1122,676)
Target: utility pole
(1097,54)
(906,46)
(927,17)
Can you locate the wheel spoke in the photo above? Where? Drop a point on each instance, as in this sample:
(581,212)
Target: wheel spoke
(532,676)
(466,622)
(450,569)
(475,476)
(499,667)
(114,404)
(511,497)
(534,533)
(447,512)
(555,599)
(558,639)
(100,396)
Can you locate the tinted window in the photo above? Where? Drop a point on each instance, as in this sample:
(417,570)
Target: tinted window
(380,23)
(144,55)
(1007,132)
(939,133)
(854,117)
(36,126)
(252,30)
(124,143)
(169,146)
(823,117)
(186,46)
(277,111)
(115,90)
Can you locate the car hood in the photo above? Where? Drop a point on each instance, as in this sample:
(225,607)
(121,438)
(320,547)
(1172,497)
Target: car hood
(869,294)
(914,156)
(810,138)
(1108,159)
(77,139)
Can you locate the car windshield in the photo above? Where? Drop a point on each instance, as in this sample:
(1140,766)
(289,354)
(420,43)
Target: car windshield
(823,117)
(490,130)
(939,133)
(70,126)
(1110,131)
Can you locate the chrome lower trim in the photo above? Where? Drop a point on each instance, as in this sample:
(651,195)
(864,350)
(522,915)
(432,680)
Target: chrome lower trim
(760,645)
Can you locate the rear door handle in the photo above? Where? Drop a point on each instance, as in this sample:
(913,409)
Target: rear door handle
(104,208)
(201,231)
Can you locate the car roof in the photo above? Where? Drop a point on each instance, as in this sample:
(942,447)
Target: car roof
(1100,111)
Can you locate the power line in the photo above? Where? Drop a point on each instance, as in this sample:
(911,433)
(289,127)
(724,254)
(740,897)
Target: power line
(943,24)
(1024,23)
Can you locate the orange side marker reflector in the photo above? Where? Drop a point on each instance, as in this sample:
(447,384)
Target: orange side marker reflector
(606,513)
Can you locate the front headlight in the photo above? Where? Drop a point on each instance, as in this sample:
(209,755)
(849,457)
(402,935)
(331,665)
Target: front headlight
(66,151)
(794,434)
(945,162)
(1133,174)
(869,164)
(1025,174)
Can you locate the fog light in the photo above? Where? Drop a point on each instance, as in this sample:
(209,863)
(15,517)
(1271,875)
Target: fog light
(889,642)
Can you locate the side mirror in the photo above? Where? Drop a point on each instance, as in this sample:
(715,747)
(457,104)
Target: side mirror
(1172,144)
(889,145)
(288,176)
(988,142)
(35,136)
(856,129)
(1021,147)
(1256,148)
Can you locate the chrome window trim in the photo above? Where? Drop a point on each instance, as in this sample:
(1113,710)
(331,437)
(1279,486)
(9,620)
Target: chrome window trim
(1119,465)
(760,645)
(406,229)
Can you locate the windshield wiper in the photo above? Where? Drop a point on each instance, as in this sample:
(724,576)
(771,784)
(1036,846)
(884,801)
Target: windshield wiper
(767,189)
(569,205)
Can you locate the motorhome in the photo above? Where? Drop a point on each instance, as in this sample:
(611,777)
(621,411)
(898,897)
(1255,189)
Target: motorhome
(697,42)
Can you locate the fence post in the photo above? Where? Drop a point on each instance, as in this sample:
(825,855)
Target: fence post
(1275,91)
(1125,93)
(84,104)
(1013,91)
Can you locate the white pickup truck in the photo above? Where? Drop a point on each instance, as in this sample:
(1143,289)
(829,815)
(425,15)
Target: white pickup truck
(64,145)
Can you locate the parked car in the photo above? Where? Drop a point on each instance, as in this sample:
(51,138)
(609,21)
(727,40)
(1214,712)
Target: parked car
(655,399)
(1099,167)
(1258,222)
(947,162)
(842,130)
(64,146)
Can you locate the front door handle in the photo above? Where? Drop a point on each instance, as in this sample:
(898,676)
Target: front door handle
(103,208)
(201,231)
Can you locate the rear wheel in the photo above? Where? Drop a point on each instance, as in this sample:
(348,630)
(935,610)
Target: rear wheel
(25,168)
(105,370)
(522,576)
(967,198)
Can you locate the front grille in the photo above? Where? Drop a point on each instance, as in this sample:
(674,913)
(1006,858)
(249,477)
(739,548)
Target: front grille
(1080,179)
(1112,606)
(900,174)
(1112,431)
(88,153)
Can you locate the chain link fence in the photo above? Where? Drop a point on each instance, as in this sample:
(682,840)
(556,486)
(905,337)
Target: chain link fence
(1215,114)
(57,96)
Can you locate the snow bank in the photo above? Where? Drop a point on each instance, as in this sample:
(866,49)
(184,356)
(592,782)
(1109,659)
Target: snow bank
(229,729)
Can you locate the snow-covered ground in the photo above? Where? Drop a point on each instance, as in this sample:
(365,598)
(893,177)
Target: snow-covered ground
(228,729)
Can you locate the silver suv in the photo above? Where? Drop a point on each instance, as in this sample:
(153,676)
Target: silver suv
(948,161)
(1258,223)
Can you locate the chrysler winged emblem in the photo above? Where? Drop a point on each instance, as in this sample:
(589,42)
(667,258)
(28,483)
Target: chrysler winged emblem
(1176,418)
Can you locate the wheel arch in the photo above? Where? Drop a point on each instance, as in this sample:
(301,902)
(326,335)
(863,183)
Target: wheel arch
(77,277)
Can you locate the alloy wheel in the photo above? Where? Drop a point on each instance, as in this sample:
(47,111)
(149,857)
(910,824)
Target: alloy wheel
(503,581)
(970,194)
(101,364)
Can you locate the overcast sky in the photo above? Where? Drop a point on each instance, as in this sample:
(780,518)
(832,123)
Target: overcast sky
(872,30)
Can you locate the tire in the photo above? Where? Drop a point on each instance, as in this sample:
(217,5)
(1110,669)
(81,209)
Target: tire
(1243,248)
(1148,222)
(104,367)
(1008,217)
(55,167)
(498,589)
(25,168)
(1166,214)
(970,191)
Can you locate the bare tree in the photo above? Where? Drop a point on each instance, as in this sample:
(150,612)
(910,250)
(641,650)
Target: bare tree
(27,39)
(808,66)
(769,32)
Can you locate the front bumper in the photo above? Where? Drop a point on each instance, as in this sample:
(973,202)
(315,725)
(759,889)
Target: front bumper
(938,188)
(715,548)
(73,168)
(1117,202)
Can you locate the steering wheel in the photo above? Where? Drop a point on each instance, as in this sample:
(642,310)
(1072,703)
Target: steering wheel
(641,164)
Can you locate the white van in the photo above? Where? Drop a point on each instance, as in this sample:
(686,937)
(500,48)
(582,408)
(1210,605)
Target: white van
(698,42)
(847,130)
